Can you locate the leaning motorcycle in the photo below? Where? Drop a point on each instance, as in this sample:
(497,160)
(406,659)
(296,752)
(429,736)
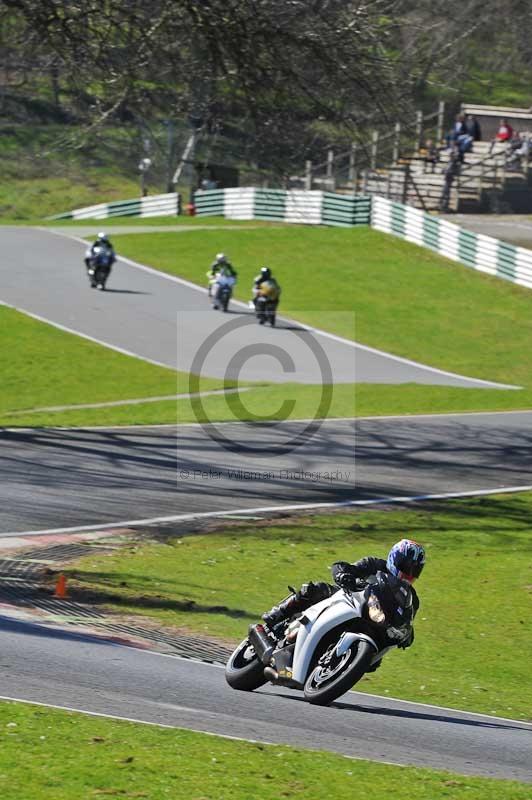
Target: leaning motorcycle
(100,262)
(327,649)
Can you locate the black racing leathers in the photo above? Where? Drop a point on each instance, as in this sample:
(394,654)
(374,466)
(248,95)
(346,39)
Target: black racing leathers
(345,575)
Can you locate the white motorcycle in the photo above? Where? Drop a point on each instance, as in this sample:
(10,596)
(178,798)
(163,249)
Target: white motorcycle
(221,290)
(329,647)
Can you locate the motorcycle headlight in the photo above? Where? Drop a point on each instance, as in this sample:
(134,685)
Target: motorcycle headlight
(375,612)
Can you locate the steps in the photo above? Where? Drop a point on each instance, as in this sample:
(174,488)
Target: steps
(484,184)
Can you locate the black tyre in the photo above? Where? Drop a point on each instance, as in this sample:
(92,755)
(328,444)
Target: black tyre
(244,671)
(262,320)
(334,675)
(272,320)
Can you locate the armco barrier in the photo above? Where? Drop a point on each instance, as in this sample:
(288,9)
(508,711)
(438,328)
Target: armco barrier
(483,253)
(158,205)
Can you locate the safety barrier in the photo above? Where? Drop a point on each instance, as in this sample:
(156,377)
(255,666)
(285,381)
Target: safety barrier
(483,253)
(293,205)
(159,205)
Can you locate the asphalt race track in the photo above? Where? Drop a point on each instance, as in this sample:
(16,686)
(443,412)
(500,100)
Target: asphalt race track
(54,479)
(63,668)
(57,478)
(160,319)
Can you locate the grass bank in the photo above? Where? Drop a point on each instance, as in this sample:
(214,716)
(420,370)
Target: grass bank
(67,756)
(44,366)
(217,584)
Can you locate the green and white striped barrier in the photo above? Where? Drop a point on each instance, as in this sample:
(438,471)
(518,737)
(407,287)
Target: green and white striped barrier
(158,205)
(293,205)
(483,253)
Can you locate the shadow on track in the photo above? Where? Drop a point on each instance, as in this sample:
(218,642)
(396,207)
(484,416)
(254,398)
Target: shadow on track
(403,714)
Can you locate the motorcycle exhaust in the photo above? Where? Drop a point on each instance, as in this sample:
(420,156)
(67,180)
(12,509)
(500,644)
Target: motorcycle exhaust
(262,642)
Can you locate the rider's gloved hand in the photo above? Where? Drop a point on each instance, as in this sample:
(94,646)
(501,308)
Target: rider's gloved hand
(346,581)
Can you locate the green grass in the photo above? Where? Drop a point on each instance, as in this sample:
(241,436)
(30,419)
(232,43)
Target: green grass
(31,199)
(473,644)
(50,754)
(407,300)
(44,366)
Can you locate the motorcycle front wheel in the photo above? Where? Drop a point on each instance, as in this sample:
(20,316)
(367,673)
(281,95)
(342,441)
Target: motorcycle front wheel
(334,675)
(244,671)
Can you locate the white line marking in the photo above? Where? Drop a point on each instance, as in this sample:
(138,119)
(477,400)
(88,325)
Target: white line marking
(269,509)
(177,425)
(192,730)
(132,402)
(311,329)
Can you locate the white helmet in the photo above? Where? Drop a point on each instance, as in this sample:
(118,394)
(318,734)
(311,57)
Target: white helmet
(102,236)
(220,257)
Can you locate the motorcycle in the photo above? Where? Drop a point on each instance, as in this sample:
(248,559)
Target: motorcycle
(100,260)
(265,309)
(223,291)
(266,302)
(327,649)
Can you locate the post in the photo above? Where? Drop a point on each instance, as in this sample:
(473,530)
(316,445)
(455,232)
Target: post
(352,162)
(355,180)
(405,184)
(374,148)
(396,143)
(308,175)
(365,182)
(330,164)
(419,128)
(169,154)
(439,128)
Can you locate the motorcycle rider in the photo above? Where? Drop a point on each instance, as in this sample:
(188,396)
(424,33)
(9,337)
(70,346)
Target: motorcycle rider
(220,262)
(405,560)
(265,284)
(102,240)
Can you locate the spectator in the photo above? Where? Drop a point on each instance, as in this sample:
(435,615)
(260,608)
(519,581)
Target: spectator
(519,151)
(458,129)
(505,132)
(431,155)
(472,127)
(464,142)
(451,172)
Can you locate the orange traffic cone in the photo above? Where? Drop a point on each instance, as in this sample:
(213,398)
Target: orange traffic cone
(61,587)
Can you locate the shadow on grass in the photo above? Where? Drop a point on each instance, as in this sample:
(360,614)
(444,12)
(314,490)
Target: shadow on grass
(95,597)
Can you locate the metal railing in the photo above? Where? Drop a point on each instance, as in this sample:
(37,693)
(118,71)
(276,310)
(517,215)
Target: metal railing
(377,149)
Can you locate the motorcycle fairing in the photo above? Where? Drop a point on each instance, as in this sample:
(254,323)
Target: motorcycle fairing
(317,621)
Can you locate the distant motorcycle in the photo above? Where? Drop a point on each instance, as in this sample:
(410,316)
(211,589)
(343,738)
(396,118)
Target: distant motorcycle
(222,291)
(100,262)
(326,649)
(265,309)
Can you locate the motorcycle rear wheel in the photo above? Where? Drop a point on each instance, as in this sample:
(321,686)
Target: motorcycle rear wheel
(329,680)
(244,671)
